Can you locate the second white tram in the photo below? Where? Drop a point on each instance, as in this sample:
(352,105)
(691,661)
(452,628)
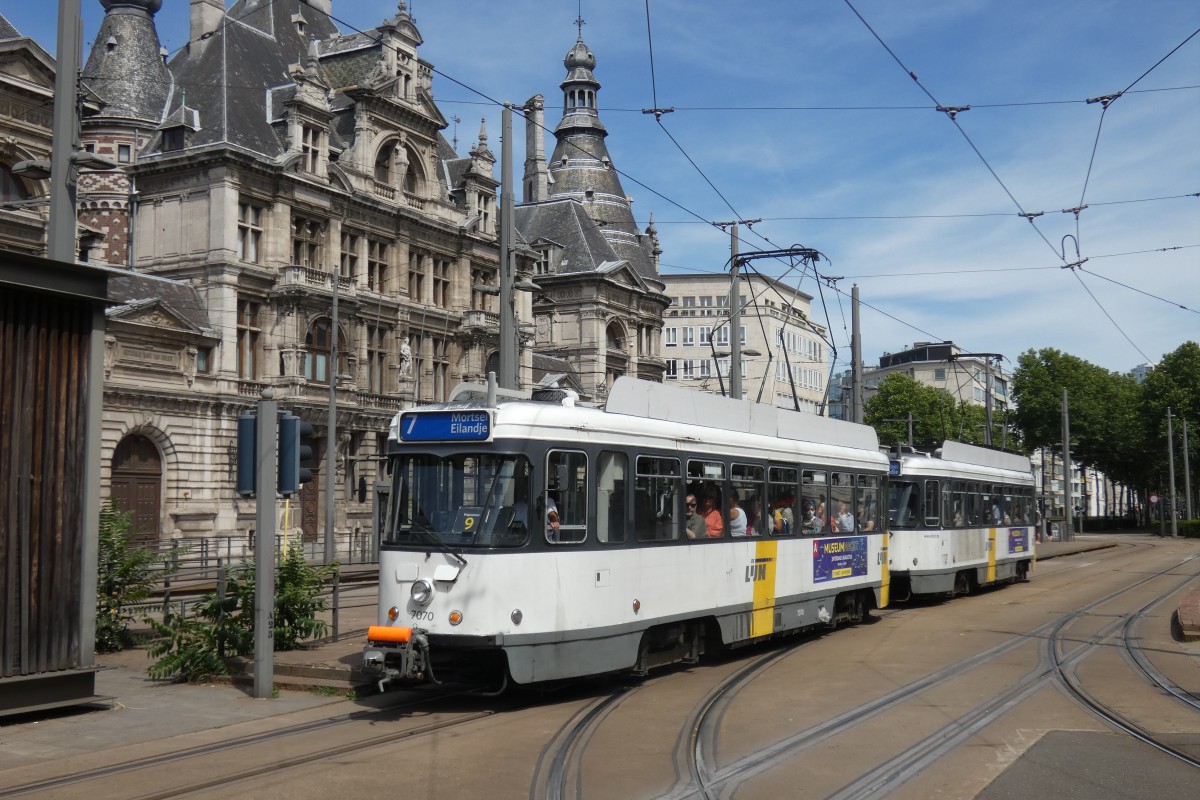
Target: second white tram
(532,540)
(960,518)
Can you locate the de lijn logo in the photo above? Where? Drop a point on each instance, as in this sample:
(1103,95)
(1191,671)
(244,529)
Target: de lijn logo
(756,570)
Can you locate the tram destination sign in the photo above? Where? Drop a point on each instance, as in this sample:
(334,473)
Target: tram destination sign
(445,426)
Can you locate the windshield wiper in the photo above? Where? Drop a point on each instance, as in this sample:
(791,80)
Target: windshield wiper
(427,534)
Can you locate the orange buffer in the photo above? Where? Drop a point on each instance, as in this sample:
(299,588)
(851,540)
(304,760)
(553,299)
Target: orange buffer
(382,633)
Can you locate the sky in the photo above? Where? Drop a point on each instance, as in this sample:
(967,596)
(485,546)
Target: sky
(819,118)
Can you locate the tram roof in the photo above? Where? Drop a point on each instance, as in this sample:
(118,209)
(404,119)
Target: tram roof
(969,461)
(643,408)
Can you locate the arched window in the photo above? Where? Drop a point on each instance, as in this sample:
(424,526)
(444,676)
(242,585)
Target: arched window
(413,180)
(316,351)
(11,187)
(614,337)
(383,164)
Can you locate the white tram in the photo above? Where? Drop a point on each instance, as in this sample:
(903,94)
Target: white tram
(535,540)
(961,518)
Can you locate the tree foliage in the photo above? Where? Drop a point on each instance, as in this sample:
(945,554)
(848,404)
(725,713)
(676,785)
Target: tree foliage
(125,576)
(936,415)
(1117,426)
(195,648)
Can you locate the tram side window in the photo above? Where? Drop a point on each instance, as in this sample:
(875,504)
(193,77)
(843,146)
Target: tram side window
(706,480)
(932,490)
(815,506)
(1028,507)
(781,500)
(564,503)
(974,505)
(841,495)
(746,517)
(1012,512)
(903,508)
(610,497)
(657,499)
(868,503)
(955,509)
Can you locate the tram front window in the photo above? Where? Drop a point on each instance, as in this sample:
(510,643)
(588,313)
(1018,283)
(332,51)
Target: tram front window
(472,499)
(902,504)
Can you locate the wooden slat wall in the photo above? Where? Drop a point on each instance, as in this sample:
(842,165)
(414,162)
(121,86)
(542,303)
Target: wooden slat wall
(43,391)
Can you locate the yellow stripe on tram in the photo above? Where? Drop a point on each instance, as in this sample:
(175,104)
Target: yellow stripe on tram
(762,618)
(885,588)
(991,573)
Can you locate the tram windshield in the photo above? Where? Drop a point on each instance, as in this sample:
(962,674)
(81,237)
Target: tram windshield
(903,508)
(468,499)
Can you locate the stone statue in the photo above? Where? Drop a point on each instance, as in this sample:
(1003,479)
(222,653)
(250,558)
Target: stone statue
(405,359)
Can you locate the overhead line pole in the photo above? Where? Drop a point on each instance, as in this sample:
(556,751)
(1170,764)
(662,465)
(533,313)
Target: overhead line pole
(331,372)
(1068,532)
(735,307)
(1171,473)
(509,351)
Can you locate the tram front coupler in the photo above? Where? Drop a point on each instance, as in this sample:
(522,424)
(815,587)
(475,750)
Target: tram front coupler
(397,655)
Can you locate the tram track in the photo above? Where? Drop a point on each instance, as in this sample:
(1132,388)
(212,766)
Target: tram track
(919,756)
(319,729)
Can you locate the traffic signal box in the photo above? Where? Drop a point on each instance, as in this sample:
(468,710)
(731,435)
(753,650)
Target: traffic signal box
(297,453)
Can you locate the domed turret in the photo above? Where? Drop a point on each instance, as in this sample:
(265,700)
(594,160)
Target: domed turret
(579,56)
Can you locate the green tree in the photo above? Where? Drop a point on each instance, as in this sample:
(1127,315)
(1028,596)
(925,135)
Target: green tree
(125,576)
(935,413)
(1175,384)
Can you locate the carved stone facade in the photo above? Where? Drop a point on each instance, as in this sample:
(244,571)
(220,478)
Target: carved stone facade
(300,164)
(26,109)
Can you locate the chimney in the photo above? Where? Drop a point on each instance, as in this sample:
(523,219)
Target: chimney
(536,184)
(206,18)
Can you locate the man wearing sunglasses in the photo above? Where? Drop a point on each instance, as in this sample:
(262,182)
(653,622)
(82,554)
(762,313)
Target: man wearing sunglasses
(695,527)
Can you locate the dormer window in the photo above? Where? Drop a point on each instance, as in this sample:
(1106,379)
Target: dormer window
(310,147)
(300,23)
(173,139)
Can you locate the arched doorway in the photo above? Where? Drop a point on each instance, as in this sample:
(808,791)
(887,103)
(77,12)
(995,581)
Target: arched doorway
(137,486)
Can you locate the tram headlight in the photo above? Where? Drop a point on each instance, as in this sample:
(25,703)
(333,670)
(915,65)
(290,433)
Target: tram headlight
(421,592)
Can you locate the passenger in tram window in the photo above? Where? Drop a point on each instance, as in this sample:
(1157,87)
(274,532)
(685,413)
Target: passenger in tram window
(781,520)
(845,520)
(552,521)
(714,523)
(737,517)
(826,522)
(811,521)
(694,524)
(867,520)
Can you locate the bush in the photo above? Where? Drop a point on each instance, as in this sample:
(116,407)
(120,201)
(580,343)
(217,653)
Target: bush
(1189,528)
(194,649)
(125,576)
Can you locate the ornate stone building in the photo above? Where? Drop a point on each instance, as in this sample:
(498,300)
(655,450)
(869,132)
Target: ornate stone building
(603,301)
(274,163)
(26,109)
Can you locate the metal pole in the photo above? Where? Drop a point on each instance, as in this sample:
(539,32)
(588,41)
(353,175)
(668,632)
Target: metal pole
(987,402)
(60,244)
(1187,473)
(264,546)
(735,318)
(508,361)
(910,430)
(1171,473)
(331,372)
(856,369)
(1068,501)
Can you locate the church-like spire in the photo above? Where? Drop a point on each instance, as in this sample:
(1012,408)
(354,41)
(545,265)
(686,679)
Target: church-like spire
(125,68)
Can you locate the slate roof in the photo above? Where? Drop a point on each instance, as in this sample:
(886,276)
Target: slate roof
(227,75)
(125,68)
(7,31)
(128,290)
(565,223)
